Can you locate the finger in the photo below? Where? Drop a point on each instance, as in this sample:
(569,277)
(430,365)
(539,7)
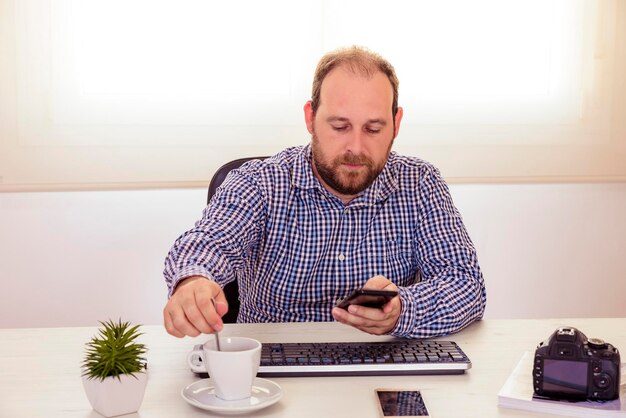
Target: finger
(206,307)
(372,314)
(180,322)
(221,308)
(377,323)
(393,307)
(169,325)
(219,296)
(213,304)
(196,316)
(350,318)
(220,305)
(390,286)
(375,328)
(340,315)
(377,282)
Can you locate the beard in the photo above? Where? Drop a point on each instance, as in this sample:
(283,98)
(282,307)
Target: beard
(347,183)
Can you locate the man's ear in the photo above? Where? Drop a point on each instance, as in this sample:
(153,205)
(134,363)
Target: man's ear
(398,119)
(309,116)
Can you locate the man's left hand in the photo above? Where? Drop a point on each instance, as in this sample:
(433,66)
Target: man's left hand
(372,320)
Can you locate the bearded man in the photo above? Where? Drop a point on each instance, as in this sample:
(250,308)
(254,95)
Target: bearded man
(304,228)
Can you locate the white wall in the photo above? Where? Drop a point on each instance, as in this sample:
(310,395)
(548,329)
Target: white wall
(71,259)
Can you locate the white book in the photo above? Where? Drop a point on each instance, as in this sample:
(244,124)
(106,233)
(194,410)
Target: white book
(517,393)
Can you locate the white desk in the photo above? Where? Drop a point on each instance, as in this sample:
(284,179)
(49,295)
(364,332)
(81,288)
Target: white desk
(40,377)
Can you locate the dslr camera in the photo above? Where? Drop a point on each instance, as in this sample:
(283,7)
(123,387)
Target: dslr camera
(569,366)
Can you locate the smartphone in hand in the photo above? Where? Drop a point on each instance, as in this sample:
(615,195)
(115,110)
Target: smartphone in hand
(371,298)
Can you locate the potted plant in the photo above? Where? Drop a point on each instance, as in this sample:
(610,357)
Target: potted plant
(115,369)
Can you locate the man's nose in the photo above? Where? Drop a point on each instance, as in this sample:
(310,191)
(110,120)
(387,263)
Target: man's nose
(354,142)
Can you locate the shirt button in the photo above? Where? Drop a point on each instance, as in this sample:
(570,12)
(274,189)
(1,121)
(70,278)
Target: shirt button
(341,257)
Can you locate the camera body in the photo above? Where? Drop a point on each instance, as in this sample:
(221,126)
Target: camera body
(569,366)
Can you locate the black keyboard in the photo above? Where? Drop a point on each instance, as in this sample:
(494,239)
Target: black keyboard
(395,357)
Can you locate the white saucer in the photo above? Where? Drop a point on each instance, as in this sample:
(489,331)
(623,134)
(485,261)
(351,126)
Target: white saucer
(201,394)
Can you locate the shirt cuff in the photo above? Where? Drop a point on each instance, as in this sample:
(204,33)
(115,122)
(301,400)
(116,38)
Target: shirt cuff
(409,317)
(185,273)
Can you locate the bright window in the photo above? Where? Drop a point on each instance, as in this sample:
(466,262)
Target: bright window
(138,93)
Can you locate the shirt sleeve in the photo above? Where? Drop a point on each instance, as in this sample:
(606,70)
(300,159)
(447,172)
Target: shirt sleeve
(451,293)
(217,246)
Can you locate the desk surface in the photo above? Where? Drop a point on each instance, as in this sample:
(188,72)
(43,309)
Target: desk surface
(40,377)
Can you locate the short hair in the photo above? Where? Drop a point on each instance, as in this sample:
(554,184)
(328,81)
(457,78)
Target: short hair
(358,60)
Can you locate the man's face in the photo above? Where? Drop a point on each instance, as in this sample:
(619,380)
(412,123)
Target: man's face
(352,131)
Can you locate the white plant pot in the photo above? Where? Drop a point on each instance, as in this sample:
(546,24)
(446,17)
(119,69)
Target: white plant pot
(111,397)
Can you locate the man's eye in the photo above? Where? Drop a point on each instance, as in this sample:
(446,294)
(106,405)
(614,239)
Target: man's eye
(373,131)
(340,128)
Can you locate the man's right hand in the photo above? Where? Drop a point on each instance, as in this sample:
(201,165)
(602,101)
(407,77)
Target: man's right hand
(190,310)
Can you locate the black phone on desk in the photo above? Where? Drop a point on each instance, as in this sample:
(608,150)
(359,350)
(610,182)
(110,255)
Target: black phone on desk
(371,298)
(401,403)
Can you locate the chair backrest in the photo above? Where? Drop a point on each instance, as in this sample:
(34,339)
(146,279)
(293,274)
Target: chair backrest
(231,290)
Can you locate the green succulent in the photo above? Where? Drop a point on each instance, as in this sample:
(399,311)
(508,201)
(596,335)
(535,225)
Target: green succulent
(114,352)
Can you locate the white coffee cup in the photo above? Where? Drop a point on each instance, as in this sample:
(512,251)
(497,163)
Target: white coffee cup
(232,369)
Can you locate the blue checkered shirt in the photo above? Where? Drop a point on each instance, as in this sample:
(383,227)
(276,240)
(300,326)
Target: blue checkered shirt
(296,249)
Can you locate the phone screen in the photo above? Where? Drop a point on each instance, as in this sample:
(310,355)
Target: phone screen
(401,403)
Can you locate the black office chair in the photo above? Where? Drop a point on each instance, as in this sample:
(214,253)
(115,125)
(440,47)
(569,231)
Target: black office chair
(231,290)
